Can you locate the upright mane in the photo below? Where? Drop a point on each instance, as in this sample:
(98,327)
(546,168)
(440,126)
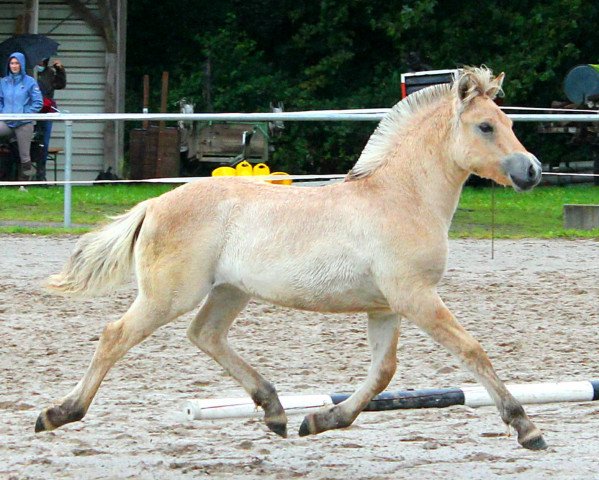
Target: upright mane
(472,81)
(376,150)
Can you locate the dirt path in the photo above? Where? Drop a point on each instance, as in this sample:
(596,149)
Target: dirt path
(535,308)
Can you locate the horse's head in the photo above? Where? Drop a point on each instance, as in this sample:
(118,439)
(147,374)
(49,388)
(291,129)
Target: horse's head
(485,143)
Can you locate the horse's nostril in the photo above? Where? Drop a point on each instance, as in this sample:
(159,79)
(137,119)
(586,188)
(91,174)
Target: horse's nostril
(532,173)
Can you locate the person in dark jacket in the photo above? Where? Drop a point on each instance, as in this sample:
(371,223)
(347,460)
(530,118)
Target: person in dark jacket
(19,93)
(49,78)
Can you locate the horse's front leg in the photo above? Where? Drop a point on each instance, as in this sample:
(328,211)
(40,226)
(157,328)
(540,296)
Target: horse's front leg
(383,333)
(432,316)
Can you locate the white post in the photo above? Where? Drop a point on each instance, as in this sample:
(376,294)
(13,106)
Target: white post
(68,139)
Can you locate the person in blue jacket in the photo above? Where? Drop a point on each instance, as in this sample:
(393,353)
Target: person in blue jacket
(19,93)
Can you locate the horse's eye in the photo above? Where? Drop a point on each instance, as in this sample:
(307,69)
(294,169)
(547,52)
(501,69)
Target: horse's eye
(485,127)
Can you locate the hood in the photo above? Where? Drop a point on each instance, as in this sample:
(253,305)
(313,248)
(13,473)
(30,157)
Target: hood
(21,58)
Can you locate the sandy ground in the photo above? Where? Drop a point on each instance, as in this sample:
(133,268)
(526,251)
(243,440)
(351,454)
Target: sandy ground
(535,308)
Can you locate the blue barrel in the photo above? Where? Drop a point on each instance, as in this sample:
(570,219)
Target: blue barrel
(581,83)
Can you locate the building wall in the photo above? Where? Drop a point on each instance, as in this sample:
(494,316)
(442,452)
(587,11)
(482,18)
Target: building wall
(82,52)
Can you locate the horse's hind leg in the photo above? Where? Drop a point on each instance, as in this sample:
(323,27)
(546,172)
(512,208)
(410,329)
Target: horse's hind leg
(208,331)
(383,333)
(142,318)
(434,318)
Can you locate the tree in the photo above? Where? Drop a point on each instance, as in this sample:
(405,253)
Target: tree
(350,54)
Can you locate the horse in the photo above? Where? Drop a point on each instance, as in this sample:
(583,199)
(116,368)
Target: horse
(376,242)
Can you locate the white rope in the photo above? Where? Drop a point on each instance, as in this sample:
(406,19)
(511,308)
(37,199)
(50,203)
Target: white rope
(170,180)
(539,109)
(191,179)
(571,174)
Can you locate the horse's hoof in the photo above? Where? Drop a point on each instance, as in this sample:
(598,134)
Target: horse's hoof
(304,429)
(278,427)
(535,443)
(40,426)
(310,426)
(323,421)
(54,417)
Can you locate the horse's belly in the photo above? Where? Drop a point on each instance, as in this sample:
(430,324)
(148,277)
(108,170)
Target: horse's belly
(350,299)
(346,302)
(315,289)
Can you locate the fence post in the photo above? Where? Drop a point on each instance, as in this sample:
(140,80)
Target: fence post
(68,138)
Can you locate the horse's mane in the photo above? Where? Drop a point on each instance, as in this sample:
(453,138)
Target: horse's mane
(473,81)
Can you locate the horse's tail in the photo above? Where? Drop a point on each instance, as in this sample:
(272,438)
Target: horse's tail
(102,259)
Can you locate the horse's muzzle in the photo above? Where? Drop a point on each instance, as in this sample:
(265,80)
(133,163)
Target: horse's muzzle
(523,169)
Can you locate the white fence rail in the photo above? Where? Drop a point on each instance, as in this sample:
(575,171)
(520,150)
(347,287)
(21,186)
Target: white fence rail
(359,115)
(370,114)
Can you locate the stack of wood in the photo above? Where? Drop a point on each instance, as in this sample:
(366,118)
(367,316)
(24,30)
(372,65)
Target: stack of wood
(583,133)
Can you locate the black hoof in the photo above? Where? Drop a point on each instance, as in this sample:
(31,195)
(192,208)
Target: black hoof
(58,416)
(39,424)
(304,430)
(279,428)
(536,443)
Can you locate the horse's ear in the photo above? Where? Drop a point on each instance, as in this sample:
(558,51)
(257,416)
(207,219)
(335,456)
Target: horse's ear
(499,79)
(464,84)
(496,90)
(476,81)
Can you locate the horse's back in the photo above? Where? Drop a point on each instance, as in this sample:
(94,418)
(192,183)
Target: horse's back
(250,208)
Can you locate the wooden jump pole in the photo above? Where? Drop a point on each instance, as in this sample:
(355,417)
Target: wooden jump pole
(474,396)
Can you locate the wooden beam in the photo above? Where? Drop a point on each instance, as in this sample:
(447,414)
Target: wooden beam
(163,96)
(102,25)
(107,11)
(146,99)
(31,15)
(110,107)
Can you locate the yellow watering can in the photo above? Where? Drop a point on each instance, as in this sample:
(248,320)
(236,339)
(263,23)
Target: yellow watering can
(286,181)
(224,172)
(261,169)
(244,169)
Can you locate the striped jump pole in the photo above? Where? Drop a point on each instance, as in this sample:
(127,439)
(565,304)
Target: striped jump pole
(475,396)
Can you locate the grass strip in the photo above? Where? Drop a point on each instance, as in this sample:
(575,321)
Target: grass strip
(536,214)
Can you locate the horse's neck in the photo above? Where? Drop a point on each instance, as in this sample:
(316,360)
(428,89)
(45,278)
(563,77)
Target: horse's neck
(420,171)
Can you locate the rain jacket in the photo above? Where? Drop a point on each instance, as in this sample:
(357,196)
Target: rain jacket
(19,93)
(52,78)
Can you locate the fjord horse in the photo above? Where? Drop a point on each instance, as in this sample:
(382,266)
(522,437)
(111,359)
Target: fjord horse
(375,243)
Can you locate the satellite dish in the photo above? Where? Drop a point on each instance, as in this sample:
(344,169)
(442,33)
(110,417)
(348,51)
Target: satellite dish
(582,82)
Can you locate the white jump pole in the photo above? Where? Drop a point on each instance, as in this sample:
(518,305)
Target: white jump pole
(244,407)
(475,396)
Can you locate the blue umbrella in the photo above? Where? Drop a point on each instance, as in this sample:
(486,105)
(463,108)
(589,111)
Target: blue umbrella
(35,47)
